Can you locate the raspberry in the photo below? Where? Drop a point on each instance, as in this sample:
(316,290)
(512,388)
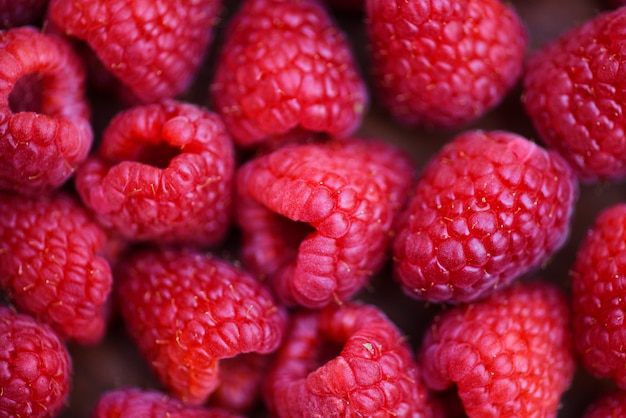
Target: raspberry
(44,128)
(35,368)
(573,94)
(489,207)
(611,405)
(317,218)
(153,48)
(134,403)
(509,355)
(20,13)
(187,310)
(50,264)
(598,296)
(285,64)
(374,375)
(164,172)
(442,64)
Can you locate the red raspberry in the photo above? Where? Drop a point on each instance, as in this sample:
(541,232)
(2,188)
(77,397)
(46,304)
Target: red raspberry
(50,264)
(163,172)
(35,368)
(573,94)
(599,299)
(153,48)
(509,355)
(186,311)
(137,403)
(489,207)
(443,64)
(374,375)
(285,64)
(611,405)
(317,218)
(19,13)
(44,127)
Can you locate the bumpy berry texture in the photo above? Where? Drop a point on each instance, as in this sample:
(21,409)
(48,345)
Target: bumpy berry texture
(374,374)
(153,48)
(317,219)
(284,64)
(187,310)
(510,355)
(489,207)
(20,13)
(35,368)
(611,405)
(443,64)
(51,265)
(44,117)
(598,296)
(135,403)
(573,94)
(163,172)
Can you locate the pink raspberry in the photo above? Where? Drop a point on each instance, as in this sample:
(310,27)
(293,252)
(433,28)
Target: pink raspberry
(573,94)
(51,265)
(489,207)
(317,219)
(186,310)
(373,375)
(599,297)
(510,355)
(154,48)
(611,405)
(44,118)
(443,64)
(163,172)
(35,368)
(285,64)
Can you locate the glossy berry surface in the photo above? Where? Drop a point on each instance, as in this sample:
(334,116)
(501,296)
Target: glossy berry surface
(610,405)
(488,207)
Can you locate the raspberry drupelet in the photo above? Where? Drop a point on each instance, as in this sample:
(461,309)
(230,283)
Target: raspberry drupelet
(285,64)
(610,405)
(488,208)
(373,375)
(163,173)
(44,116)
(317,219)
(186,310)
(510,355)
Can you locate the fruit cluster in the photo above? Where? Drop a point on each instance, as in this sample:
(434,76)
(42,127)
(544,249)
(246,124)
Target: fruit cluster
(309,208)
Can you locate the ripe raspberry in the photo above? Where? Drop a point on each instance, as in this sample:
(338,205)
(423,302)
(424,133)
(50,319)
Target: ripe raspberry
(489,207)
(20,13)
(611,405)
(317,218)
(509,355)
(442,64)
(164,172)
(135,403)
(50,264)
(374,375)
(599,298)
(153,48)
(573,94)
(44,127)
(285,64)
(35,368)
(186,311)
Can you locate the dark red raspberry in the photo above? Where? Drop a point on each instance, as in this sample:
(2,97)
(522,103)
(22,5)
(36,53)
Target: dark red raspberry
(442,64)
(599,298)
(187,310)
(285,64)
(44,128)
(611,405)
(510,355)
(50,264)
(373,375)
(153,48)
(163,172)
(20,13)
(137,403)
(35,368)
(489,207)
(573,94)
(317,218)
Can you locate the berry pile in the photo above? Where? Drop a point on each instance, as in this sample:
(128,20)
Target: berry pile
(312,208)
